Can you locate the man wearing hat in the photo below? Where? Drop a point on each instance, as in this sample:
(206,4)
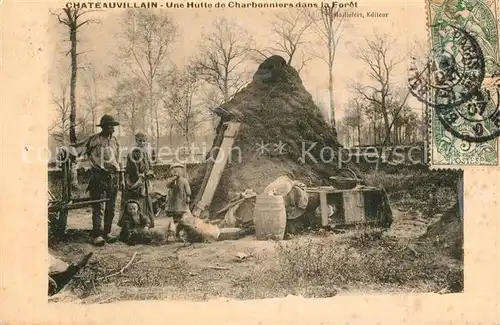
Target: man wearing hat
(103,151)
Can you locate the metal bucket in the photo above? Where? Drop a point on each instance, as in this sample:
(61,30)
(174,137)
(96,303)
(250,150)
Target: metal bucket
(345,183)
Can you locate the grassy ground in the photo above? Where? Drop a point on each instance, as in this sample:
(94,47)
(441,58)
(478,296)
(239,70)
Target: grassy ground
(316,264)
(429,192)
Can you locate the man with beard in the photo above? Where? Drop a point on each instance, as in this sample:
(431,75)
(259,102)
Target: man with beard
(103,151)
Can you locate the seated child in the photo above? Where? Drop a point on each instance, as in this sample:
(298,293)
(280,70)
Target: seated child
(135,225)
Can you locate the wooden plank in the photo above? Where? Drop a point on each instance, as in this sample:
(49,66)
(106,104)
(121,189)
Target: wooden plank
(76,205)
(218,168)
(354,207)
(329,190)
(324,209)
(217,143)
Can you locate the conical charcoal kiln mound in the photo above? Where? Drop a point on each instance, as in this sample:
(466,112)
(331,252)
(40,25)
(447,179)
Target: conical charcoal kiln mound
(280,125)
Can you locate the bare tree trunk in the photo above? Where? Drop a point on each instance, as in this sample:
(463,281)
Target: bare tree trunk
(374,126)
(395,133)
(186,137)
(359,133)
(144,116)
(93,120)
(226,84)
(386,122)
(63,133)
(72,95)
(118,116)
(157,129)
(330,93)
(369,133)
(171,131)
(152,129)
(70,19)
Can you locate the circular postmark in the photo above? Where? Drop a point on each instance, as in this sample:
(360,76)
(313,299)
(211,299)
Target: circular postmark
(469,121)
(452,73)
(452,82)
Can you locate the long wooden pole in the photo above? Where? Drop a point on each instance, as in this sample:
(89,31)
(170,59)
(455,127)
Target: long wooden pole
(218,168)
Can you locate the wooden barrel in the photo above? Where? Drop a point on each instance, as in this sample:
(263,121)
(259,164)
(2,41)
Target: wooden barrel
(269,217)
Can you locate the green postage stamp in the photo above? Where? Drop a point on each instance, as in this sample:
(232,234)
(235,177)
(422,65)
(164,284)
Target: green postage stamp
(460,82)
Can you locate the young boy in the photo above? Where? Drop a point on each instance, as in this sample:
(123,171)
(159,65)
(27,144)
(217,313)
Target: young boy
(179,196)
(135,225)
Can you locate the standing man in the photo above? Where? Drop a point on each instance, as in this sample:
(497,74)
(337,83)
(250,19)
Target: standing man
(103,151)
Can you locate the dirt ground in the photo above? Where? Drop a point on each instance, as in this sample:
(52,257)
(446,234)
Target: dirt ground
(317,264)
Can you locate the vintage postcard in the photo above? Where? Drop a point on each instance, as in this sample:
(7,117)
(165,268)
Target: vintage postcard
(211,157)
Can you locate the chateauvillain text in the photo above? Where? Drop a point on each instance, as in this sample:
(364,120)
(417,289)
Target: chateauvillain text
(209,5)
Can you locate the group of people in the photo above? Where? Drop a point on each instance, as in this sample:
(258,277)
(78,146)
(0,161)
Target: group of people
(107,178)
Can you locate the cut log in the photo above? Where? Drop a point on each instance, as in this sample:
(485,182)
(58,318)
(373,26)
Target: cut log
(201,228)
(231,234)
